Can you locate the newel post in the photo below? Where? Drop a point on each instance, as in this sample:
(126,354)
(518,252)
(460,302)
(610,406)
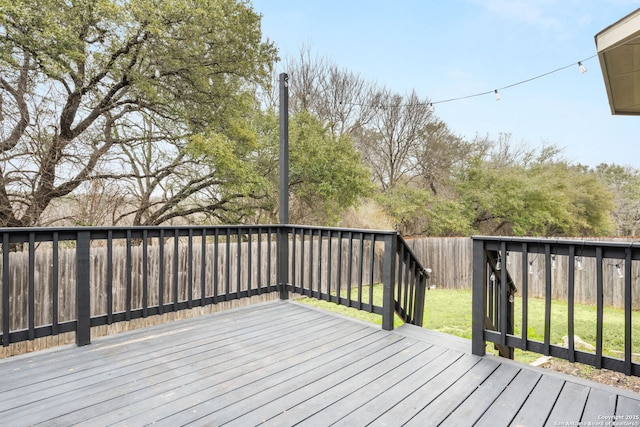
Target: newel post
(389,280)
(479,298)
(83,292)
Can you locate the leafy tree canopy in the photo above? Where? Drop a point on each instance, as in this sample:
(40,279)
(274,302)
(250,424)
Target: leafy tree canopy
(543,196)
(326,173)
(110,89)
(624,184)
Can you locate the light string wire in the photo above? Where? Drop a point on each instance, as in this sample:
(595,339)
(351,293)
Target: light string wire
(573,64)
(497,90)
(492,91)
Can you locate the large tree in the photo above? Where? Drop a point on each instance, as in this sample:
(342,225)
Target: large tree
(396,138)
(122,90)
(343,100)
(624,184)
(513,190)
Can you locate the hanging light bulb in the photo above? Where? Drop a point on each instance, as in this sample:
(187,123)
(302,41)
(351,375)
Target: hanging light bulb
(530,267)
(492,278)
(553,262)
(583,69)
(619,273)
(579,266)
(431,109)
(498,264)
(497,95)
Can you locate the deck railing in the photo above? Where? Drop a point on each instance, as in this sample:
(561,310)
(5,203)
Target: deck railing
(502,269)
(55,281)
(343,265)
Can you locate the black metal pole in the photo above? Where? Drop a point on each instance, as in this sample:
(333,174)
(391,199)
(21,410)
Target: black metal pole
(283,235)
(284,149)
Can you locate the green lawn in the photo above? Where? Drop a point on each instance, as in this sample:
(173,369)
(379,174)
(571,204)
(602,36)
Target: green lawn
(585,320)
(445,310)
(449,311)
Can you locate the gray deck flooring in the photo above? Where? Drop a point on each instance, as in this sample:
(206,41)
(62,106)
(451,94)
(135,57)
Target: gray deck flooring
(283,364)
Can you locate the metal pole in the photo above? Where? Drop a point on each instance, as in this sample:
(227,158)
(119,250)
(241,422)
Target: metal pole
(283,235)
(284,149)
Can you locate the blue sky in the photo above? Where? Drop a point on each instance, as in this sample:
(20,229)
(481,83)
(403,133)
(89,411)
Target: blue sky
(455,48)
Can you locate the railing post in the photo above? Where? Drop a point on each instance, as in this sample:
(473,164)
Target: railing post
(418,313)
(83,293)
(388,280)
(479,298)
(282,261)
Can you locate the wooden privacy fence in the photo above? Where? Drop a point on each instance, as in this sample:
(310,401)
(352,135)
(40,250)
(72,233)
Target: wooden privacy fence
(56,281)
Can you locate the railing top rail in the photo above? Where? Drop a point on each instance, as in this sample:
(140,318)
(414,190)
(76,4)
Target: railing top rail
(559,241)
(561,246)
(337,229)
(23,230)
(47,234)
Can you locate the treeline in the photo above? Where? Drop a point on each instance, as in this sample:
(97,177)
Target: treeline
(430,181)
(135,113)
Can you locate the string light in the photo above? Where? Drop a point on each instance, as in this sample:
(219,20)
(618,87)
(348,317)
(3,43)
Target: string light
(495,92)
(618,273)
(582,68)
(580,64)
(531,267)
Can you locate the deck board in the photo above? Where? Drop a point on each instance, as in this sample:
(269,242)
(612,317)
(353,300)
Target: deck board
(599,404)
(569,405)
(383,387)
(510,400)
(284,363)
(383,402)
(472,409)
(540,402)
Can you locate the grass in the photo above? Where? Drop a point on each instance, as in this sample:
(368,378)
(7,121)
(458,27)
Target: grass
(585,320)
(449,311)
(446,311)
(354,312)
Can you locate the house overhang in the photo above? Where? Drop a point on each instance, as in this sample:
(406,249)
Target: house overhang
(618,49)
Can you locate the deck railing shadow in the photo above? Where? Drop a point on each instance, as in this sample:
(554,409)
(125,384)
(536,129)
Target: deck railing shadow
(504,266)
(56,281)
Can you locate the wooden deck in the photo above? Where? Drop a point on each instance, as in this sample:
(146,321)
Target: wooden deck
(283,363)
